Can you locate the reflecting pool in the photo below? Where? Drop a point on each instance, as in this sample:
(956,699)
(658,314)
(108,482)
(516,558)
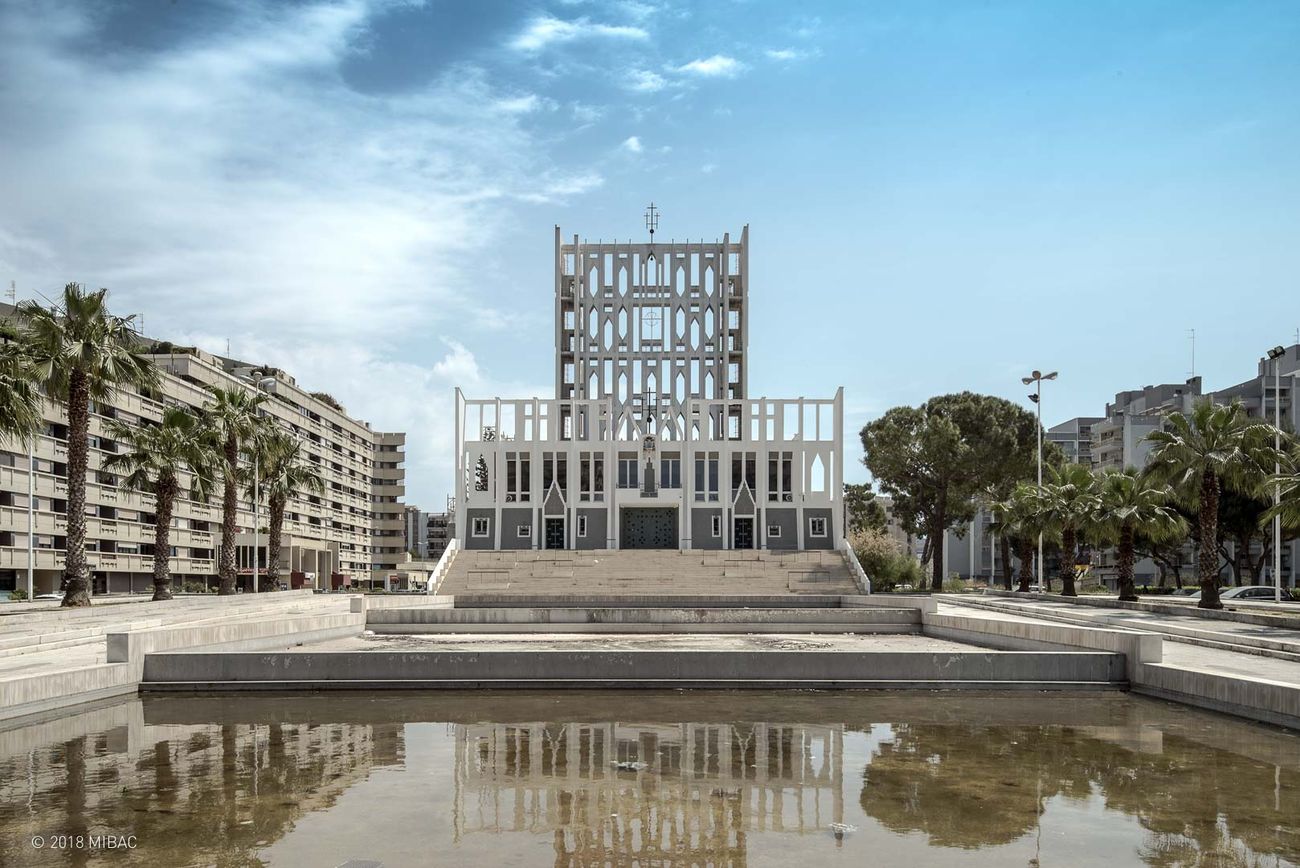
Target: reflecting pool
(636,778)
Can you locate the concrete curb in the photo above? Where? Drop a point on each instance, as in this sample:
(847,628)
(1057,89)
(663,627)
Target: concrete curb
(1282,619)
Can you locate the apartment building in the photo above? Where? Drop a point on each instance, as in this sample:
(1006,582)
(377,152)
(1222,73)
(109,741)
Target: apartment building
(415,531)
(440,528)
(1074,436)
(1119,439)
(347,535)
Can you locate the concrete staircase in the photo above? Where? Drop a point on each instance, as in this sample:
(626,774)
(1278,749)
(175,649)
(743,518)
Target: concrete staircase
(648,572)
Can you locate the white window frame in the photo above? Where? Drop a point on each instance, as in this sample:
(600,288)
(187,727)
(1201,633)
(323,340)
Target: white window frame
(813,522)
(524,531)
(717,525)
(774,531)
(484,523)
(582,525)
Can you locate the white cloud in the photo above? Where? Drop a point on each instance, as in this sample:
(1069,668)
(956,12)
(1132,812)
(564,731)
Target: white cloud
(785,55)
(645,81)
(717,66)
(632,144)
(233,185)
(546,30)
(708,168)
(586,114)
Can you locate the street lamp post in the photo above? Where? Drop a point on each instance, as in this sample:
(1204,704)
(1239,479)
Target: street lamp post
(1037,378)
(1276,355)
(31,517)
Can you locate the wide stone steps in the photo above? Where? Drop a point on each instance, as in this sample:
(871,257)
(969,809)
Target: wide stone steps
(672,572)
(627,617)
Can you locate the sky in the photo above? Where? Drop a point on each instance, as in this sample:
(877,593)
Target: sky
(941,195)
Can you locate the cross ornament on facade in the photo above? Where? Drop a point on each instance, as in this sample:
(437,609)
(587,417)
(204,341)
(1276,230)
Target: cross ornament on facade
(652,220)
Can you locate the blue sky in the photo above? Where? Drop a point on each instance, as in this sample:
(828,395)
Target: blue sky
(940,195)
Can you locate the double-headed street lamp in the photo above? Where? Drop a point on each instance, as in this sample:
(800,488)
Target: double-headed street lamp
(1275,355)
(1037,378)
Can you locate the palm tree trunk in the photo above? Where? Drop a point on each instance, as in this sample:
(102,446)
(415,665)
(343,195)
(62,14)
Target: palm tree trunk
(1025,551)
(164,499)
(76,573)
(1209,556)
(229,505)
(273,542)
(1126,590)
(1067,562)
(1004,545)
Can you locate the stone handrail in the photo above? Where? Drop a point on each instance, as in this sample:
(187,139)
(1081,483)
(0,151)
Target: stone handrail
(442,568)
(860,576)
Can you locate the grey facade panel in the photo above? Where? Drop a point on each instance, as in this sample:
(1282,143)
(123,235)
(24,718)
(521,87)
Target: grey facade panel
(511,518)
(787,519)
(813,542)
(597,529)
(480,542)
(702,528)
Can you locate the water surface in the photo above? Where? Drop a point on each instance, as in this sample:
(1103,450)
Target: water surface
(577,779)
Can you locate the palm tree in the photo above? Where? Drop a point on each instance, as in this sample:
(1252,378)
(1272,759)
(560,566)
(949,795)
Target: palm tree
(1200,453)
(1130,503)
(20,397)
(1288,484)
(81,353)
(154,459)
(1020,519)
(234,420)
(1069,501)
(283,471)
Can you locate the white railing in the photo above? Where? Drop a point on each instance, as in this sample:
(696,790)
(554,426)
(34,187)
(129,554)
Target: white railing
(442,568)
(859,575)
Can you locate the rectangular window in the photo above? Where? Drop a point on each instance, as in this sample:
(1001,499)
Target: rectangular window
(480,527)
(524,530)
(582,525)
(817,527)
(706,477)
(670,472)
(779,469)
(627,473)
(717,525)
(774,531)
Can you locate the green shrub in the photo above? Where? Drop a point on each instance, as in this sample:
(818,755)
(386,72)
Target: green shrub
(885,562)
(17,595)
(192,587)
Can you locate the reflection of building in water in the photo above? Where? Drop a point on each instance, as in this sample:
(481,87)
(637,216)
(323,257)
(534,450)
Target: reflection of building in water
(199,794)
(646,791)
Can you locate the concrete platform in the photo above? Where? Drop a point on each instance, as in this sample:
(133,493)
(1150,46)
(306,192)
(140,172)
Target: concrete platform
(549,662)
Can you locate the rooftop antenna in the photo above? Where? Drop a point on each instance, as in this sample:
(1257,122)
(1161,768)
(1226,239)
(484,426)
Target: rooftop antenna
(227,346)
(1191,333)
(12,294)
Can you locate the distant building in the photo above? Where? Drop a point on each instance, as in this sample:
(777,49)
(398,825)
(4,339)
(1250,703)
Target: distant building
(1119,439)
(1074,436)
(415,531)
(439,530)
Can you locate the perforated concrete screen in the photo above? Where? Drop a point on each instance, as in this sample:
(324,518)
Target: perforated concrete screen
(652,419)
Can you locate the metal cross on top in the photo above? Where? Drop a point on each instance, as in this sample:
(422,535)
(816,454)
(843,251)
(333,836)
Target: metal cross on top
(652,220)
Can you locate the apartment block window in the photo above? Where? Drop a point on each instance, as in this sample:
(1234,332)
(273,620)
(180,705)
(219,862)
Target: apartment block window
(627,472)
(670,472)
(817,527)
(524,531)
(779,476)
(480,528)
(717,525)
(582,525)
(774,531)
(706,476)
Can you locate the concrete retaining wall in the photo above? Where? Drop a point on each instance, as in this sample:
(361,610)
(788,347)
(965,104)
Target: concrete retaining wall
(696,668)
(1137,648)
(1256,698)
(1290,620)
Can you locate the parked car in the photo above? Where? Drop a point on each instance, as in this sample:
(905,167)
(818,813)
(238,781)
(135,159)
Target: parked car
(1261,593)
(57,595)
(1189,591)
